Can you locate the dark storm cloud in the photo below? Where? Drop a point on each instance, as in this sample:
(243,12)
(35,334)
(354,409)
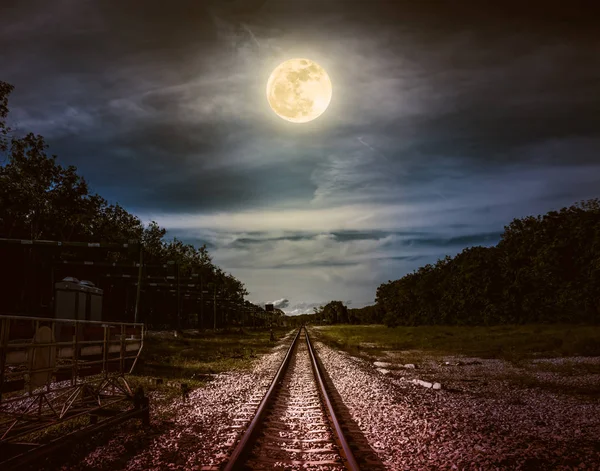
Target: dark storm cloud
(407,258)
(408,238)
(243,241)
(356,235)
(118,78)
(281,303)
(465,68)
(486,238)
(484,93)
(114,95)
(489,114)
(317,264)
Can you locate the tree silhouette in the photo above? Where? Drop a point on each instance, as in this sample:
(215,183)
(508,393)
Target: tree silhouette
(43,200)
(544,269)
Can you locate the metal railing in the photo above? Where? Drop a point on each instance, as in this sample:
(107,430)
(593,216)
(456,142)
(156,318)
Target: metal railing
(57,369)
(39,352)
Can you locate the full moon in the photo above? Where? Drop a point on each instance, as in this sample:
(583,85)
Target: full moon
(299,90)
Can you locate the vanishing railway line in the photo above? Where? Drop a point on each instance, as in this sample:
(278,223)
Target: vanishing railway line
(296,425)
(299,423)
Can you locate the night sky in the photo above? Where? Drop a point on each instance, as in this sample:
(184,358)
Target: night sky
(447,121)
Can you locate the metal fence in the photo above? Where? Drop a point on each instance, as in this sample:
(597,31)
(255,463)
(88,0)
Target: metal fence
(57,369)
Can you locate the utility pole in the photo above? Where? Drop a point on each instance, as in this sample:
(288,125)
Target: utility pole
(139,284)
(178,297)
(215,307)
(269,308)
(201,304)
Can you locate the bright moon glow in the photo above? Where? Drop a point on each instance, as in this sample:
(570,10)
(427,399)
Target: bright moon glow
(299,90)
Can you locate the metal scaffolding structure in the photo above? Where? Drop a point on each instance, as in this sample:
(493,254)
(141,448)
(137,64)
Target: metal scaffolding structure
(55,370)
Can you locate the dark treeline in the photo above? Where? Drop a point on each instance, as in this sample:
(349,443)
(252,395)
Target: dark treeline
(42,200)
(367,315)
(335,312)
(545,269)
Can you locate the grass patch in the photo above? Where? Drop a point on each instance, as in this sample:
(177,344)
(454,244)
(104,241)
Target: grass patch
(514,343)
(566,368)
(527,381)
(195,354)
(192,357)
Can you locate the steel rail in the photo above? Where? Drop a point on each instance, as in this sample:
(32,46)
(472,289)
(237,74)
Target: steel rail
(241,450)
(351,463)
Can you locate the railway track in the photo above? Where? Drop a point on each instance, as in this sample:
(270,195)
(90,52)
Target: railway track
(297,424)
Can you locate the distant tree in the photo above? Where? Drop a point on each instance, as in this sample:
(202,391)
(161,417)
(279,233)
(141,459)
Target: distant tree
(296,321)
(335,312)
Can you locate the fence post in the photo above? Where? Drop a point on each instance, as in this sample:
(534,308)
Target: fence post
(4,329)
(123,351)
(105,350)
(75,354)
(178,296)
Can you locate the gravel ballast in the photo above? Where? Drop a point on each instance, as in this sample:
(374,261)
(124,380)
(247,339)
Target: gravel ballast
(492,426)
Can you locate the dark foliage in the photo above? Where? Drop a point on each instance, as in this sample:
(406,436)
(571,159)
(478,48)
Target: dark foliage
(334,312)
(42,200)
(366,315)
(302,319)
(545,269)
